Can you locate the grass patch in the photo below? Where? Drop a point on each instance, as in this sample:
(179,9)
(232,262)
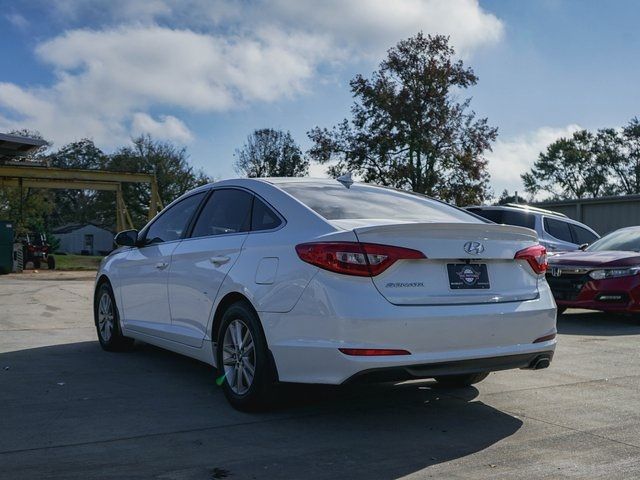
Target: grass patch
(77,262)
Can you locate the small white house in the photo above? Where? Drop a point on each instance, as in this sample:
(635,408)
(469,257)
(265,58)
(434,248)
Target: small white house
(84,239)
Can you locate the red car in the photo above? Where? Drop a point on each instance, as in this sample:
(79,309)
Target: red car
(604,276)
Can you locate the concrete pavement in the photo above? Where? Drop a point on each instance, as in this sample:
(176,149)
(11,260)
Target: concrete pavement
(70,410)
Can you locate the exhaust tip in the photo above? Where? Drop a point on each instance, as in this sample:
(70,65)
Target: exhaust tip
(541,363)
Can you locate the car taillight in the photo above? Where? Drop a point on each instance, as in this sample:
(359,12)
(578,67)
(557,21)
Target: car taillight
(536,256)
(353,258)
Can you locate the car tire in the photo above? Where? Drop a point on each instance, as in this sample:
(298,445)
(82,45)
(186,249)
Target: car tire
(461,381)
(107,321)
(244,364)
(51,262)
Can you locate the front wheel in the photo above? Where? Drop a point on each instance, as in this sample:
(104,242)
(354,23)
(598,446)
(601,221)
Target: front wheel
(243,360)
(51,262)
(461,381)
(106,320)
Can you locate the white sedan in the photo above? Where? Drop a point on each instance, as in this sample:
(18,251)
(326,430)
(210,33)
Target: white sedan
(321,281)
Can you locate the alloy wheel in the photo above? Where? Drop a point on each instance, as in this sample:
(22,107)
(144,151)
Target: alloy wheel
(105,317)
(238,357)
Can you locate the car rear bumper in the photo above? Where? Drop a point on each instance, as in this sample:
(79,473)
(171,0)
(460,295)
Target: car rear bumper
(532,361)
(305,342)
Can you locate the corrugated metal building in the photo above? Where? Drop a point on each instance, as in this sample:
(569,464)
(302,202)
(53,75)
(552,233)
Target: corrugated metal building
(603,214)
(84,239)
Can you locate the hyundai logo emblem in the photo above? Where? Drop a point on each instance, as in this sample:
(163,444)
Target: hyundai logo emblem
(474,248)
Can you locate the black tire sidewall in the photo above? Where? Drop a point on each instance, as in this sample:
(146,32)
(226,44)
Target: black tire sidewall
(117,340)
(257,396)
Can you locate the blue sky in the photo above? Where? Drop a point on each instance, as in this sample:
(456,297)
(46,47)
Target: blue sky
(205,73)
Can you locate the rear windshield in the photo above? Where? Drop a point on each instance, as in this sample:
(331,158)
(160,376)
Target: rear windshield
(336,202)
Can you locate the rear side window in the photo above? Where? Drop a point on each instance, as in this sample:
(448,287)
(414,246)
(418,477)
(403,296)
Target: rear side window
(582,235)
(558,229)
(336,202)
(263,218)
(519,219)
(226,211)
(493,215)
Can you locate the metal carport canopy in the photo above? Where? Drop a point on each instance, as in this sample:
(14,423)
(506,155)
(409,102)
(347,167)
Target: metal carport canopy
(12,146)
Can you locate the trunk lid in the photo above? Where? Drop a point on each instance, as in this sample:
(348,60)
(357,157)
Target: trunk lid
(466,263)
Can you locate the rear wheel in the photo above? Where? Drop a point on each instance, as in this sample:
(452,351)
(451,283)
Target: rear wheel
(243,360)
(51,262)
(461,381)
(107,321)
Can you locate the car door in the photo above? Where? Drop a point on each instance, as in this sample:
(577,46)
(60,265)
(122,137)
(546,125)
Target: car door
(144,273)
(201,262)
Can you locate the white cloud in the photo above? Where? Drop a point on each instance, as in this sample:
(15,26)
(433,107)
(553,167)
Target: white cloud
(511,157)
(168,127)
(210,56)
(17,20)
(105,76)
(363,26)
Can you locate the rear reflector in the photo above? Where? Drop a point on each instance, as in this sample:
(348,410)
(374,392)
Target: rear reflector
(536,256)
(546,338)
(353,258)
(372,352)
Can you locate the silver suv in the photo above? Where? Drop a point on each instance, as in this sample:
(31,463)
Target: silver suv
(556,231)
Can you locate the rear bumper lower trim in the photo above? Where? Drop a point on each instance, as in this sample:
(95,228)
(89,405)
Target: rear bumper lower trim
(430,370)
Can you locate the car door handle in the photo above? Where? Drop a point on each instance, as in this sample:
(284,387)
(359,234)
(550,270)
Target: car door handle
(217,261)
(161,265)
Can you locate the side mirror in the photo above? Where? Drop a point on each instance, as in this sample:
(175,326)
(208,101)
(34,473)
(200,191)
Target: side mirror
(583,247)
(127,238)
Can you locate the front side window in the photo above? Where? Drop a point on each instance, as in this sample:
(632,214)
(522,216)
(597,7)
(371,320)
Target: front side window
(582,235)
(227,211)
(172,223)
(558,229)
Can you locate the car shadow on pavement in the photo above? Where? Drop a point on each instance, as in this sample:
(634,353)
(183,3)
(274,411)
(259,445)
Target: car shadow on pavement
(74,411)
(598,324)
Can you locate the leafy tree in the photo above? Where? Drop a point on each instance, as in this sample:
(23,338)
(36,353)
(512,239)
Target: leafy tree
(626,163)
(575,167)
(506,198)
(170,164)
(408,129)
(78,206)
(271,153)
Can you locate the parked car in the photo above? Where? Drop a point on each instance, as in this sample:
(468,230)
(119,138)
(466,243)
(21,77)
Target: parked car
(36,249)
(320,281)
(555,231)
(605,276)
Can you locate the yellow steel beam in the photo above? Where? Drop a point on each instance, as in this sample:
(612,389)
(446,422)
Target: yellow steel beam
(60,184)
(47,173)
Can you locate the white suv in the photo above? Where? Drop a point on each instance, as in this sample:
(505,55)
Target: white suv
(556,231)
